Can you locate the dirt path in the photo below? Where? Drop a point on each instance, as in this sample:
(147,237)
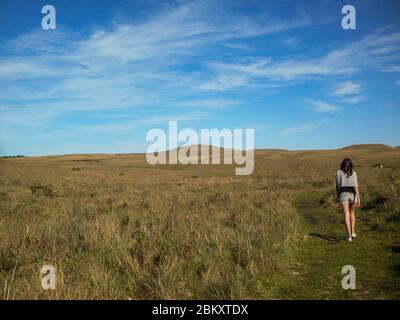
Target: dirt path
(316,273)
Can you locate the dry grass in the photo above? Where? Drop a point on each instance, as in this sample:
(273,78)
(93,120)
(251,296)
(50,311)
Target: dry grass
(134,236)
(117,228)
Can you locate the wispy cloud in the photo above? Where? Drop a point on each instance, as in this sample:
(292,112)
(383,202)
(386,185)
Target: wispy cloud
(235,75)
(237,45)
(352,99)
(120,67)
(322,106)
(303,128)
(188,60)
(346,60)
(291,42)
(392,68)
(349,92)
(206,104)
(347,88)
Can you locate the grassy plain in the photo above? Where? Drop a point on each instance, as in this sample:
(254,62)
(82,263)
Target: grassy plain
(118,228)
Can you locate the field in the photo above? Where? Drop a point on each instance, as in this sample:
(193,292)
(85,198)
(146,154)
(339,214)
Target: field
(118,228)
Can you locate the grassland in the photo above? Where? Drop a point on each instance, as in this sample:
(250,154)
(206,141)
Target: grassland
(118,228)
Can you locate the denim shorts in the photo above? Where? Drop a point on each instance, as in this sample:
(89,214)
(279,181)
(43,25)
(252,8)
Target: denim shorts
(347,197)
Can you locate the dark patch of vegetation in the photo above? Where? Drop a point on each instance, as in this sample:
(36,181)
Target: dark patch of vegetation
(395,249)
(3,195)
(321,184)
(377,227)
(16,183)
(41,190)
(7,261)
(376,202)
(17,156)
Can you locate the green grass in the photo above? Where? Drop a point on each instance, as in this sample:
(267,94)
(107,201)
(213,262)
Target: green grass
(324,250)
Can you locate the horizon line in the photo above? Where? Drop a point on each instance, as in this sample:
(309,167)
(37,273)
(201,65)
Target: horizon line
(210,145)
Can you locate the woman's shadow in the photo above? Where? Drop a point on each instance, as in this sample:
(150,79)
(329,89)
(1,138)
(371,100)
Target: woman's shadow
(329,238)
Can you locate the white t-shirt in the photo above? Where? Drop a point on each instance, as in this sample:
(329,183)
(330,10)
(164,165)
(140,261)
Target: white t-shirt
(343,181)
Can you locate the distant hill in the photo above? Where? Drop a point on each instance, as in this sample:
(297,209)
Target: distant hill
(273,150)
(371,146)
(17,156)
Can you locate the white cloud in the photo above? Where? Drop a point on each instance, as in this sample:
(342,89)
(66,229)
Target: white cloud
(119,68)
(346,60)
(127,126)
(141,66)
(303,128)
(392,68)
(183,31)
(233,75)
(386,49)
(237,46)
(322,106)
(349,92)
(207,104)
(347,88)
(291,42)
(352,99)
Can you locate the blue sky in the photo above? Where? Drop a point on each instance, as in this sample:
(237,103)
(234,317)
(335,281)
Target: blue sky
(112,70)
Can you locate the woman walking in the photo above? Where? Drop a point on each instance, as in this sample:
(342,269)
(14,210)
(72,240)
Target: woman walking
(348,195)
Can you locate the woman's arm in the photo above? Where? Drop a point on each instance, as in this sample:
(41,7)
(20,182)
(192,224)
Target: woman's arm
(337,185)
(358,201)
(337,190)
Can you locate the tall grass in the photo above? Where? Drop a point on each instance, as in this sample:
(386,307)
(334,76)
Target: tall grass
(188,238)
(117,228)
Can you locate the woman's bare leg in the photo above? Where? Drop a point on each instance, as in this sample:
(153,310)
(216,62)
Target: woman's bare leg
(353,217)
(347,217)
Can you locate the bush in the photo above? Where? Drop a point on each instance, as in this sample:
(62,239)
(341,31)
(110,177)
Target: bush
(41,190)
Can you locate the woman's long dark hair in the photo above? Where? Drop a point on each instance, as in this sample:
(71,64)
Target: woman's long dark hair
(347,166)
